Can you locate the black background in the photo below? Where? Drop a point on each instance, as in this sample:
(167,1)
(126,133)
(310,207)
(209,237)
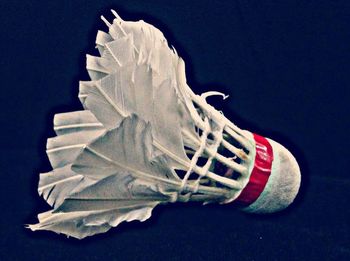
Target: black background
(286,67)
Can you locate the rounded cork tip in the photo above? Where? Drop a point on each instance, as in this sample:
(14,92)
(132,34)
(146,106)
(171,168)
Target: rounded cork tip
(282,185)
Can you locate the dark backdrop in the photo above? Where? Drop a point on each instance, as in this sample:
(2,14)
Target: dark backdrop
(286,67)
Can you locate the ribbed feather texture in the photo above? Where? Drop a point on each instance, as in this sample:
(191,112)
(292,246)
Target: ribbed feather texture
(114,161)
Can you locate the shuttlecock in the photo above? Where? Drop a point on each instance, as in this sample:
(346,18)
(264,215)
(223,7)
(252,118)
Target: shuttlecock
(144,138)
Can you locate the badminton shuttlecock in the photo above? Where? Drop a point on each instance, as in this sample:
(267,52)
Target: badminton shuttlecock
(144,138)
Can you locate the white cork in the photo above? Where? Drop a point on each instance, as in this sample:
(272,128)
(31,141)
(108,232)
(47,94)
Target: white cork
(283,184)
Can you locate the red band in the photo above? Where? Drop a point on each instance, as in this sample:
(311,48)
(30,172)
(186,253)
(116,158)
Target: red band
(260,173)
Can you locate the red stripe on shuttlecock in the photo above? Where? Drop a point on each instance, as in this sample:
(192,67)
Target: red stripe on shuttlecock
(260,173)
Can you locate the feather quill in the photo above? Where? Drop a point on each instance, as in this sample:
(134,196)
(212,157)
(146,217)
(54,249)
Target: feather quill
(115,160)
(106,186)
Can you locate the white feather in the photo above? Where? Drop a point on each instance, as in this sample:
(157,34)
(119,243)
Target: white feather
(106,186)
(115,160)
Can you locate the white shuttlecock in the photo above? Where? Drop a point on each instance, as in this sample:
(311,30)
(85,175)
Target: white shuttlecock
(144,138)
